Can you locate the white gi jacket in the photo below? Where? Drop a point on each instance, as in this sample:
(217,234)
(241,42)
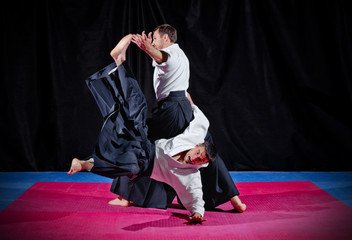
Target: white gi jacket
(172,75)
(184,178)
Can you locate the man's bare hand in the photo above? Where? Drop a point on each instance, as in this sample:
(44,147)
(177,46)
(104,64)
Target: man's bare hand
(143,41)
(196,218)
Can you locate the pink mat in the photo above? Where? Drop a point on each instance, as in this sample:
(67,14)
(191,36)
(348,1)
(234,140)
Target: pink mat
(276,210)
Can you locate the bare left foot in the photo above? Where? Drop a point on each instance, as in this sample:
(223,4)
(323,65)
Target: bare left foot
(238,205)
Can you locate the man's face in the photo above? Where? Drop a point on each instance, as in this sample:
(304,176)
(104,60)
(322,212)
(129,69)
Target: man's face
(158,42)
(196,156)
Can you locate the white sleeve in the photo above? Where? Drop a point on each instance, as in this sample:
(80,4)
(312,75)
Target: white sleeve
(191,195)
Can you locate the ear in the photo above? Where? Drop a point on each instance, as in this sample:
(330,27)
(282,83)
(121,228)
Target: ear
(166,37)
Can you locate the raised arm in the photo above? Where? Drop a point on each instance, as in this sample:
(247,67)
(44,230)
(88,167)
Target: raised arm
(144,42)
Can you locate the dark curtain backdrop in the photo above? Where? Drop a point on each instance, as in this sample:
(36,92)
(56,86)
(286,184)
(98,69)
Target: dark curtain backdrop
(272,76)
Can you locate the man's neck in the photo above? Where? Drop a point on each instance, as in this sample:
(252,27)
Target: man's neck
(180,157)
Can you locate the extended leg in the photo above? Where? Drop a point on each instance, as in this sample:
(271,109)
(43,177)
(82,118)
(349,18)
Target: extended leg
(122,148)
(105,86)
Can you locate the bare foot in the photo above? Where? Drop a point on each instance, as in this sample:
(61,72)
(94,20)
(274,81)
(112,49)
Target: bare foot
(119,52)
(238,205)
(120,201)
(78,165)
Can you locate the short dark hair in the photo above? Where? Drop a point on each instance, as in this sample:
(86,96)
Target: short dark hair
(210,150)
(169,30)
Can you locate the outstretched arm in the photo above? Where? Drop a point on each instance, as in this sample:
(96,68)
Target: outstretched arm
(191,195)
(144,42)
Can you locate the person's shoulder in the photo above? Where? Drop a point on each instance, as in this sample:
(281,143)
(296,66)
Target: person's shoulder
(170,48)
(175,45)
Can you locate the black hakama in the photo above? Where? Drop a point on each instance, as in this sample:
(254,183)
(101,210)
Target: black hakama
(122,148)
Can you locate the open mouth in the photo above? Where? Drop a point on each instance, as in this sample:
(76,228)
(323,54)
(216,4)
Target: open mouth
(189,159)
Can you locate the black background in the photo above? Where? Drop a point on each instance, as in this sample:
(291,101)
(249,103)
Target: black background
(273,77)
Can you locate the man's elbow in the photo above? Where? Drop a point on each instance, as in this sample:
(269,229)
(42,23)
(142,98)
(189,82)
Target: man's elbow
(161,58)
